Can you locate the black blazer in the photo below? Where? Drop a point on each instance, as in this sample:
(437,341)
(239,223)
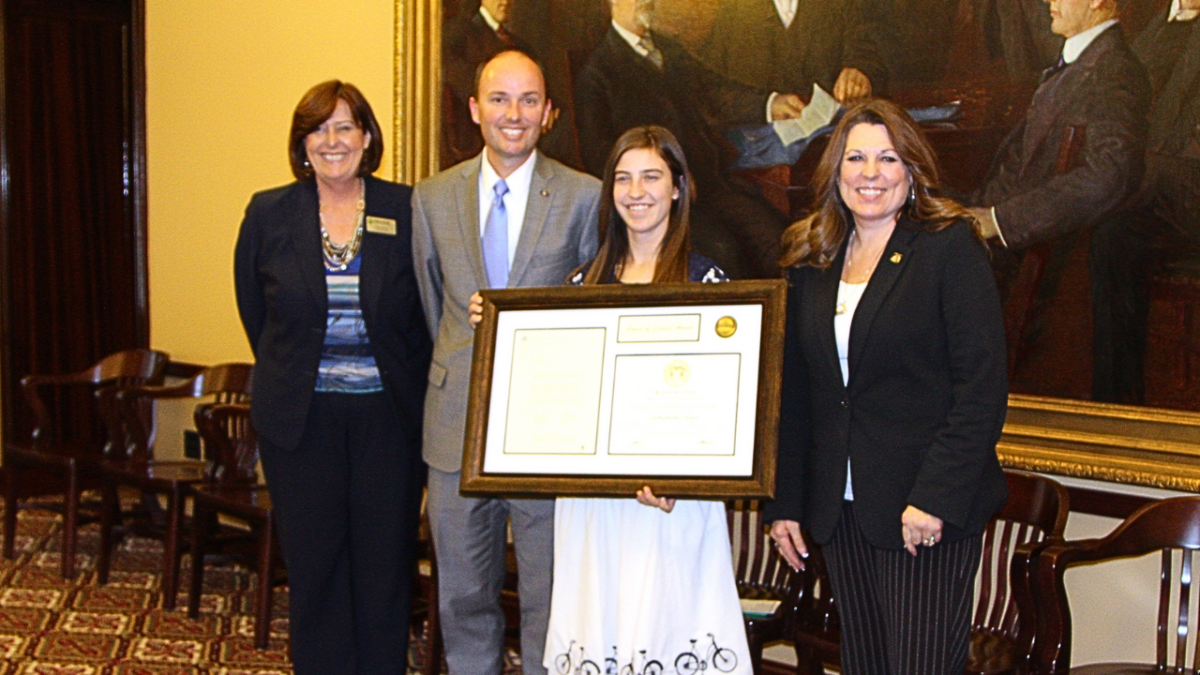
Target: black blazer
(926,399)
(283,302)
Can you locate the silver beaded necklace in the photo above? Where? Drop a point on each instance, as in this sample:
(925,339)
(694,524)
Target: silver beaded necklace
(338,258)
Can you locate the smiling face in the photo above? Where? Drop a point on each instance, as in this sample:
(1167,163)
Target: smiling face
(643,192)
(873,181)
(510,109)
(335,148)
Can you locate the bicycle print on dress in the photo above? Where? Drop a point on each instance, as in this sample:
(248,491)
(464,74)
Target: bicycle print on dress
(574,661)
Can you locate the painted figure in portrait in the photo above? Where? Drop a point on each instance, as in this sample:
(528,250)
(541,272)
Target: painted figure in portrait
(1072,125)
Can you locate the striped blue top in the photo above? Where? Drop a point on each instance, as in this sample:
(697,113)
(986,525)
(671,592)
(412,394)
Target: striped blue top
(347,362)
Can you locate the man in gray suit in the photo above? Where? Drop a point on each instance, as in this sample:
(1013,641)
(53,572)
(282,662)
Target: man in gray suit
(535,222)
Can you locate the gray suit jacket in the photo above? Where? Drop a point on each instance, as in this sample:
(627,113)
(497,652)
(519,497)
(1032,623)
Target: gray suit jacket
(558,235)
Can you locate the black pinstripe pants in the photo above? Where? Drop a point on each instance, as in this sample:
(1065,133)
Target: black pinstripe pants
(901,615)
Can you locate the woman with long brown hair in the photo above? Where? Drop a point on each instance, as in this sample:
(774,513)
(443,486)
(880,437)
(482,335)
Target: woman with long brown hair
(894,396)
(646,582)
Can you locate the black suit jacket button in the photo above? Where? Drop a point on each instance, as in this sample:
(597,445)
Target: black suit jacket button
(845,403)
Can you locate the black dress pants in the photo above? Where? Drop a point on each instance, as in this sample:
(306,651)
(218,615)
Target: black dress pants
(347,505)
(902,614)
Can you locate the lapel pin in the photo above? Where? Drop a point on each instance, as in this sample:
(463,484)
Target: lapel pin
(896,258)
(545,194)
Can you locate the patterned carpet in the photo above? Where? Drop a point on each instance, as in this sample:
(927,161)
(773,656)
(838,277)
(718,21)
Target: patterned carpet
(49,626)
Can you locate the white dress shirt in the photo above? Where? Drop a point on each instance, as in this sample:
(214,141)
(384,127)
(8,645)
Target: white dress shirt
(488,18)
(1177,13)
(787,11)
(514,201)
(1075,44)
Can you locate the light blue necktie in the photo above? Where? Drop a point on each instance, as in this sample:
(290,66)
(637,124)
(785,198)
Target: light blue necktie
(495,239)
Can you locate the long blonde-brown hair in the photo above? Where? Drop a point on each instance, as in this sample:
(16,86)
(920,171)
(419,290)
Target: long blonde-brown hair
(815,240)
(672,263)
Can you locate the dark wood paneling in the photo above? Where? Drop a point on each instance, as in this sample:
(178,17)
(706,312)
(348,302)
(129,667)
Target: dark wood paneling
(73,219)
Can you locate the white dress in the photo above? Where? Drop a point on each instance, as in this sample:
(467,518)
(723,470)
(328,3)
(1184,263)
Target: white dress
(638,591)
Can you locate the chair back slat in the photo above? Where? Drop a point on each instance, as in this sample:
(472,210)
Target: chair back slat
(985,576)
(759,569)
(1185,594)
(1036,509)
(230,444)
(1164,609)
(1025,534)
(224,383)
(735,516)
(1003,600)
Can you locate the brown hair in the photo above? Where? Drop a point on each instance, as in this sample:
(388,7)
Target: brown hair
(316,106)
(816,239)
(672,263)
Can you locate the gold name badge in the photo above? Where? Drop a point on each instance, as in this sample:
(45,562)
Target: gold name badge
(381,225)
(726,326)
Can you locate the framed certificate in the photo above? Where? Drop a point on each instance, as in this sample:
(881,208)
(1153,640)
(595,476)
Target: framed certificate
(600,390)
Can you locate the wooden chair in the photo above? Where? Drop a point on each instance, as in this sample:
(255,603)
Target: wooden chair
(1170,527)
(761,574)
(68,460)
(230,488)
(139,469)
(1004,626)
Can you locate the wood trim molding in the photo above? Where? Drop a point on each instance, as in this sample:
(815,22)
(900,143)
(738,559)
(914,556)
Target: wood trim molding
(1102,441)
(417,85)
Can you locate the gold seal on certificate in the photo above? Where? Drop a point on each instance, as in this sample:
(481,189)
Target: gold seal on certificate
(726,326)
(677,373)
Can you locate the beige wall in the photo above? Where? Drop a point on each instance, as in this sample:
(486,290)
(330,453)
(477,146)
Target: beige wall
(222,80)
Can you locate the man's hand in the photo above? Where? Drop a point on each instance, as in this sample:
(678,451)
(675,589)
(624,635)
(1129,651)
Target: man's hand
(786,107)
(851,84)
(989,228)
(786,534)
(475,310)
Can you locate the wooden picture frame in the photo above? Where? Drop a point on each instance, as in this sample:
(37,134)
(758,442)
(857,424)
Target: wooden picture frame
(611,314)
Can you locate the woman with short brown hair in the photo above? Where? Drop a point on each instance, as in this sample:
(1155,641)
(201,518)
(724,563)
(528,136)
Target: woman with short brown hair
(328,298)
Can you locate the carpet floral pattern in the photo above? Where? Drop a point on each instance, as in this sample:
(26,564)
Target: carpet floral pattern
(50,626)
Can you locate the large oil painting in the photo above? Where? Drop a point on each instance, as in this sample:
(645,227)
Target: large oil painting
(1092,166)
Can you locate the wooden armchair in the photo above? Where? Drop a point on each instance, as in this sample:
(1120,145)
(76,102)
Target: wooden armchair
(1003,629)
(761,574)
(139,469)
(1170,527)
(231,489)
(65,451)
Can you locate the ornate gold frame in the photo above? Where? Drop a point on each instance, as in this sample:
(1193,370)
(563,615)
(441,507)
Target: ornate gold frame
(1122,444)
(416,105)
